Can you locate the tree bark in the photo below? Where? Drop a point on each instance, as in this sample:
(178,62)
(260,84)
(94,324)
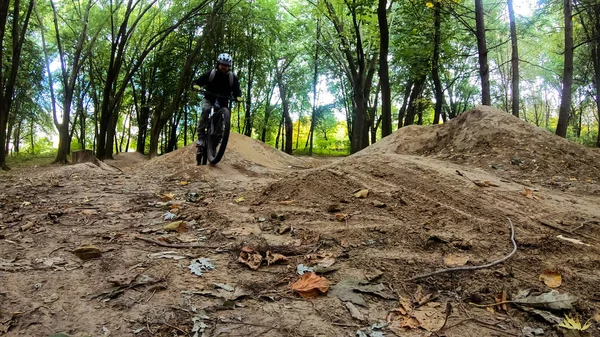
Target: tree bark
(7,82)
(565,100)
(435,72)
(313,116)
(514,60)
(484,70)
(407,90)
(384,75)
(413,108)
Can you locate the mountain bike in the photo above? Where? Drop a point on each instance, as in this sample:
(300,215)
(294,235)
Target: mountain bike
(216,134)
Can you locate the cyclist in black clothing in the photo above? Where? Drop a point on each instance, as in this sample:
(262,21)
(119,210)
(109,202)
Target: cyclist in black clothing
(219,81)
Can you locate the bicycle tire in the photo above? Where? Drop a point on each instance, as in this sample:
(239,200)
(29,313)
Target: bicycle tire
(215,155)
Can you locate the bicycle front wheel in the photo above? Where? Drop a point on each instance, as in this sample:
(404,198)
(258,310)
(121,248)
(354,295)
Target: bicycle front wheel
(217,140)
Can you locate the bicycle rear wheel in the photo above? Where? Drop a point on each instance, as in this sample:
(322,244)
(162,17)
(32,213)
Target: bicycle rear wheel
(217,140)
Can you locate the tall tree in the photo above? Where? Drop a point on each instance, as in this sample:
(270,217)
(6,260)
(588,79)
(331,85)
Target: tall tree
(565,99)
(484,70)
(435,64)
(514,59)
(384,74)
(8,80)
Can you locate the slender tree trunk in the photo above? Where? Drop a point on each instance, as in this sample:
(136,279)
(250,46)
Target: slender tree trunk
(7,82)
(435,72)
(185,125)
(402,112)
(31,134)
(514,60)
(484,70)
(313,116)
(384,76)
(565,101)
(278,133)
(413,104)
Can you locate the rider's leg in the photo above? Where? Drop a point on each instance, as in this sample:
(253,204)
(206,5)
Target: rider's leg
(202,124)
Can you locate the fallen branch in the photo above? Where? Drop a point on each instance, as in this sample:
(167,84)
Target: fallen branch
(172,245)
(491,264)
(553,226)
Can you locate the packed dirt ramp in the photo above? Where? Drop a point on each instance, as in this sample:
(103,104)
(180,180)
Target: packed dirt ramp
(424,199)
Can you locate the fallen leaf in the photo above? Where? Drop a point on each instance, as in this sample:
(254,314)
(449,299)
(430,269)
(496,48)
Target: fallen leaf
(250,258)
(455,260)
(175,226)
(201,265)
(26,226)
(89,212)
(527,192)
(484,183)
(349,290)
(240,199)
(490,183)
(398,326)
(552,279)
(310,285)
(546,315)
(362,194)
(552,300)
(574,324)
(597,316)
(183,183)
(340,217)
(274,258)
(87,252)
(327,262)
(572,179)
(167,196)
(431,316)
(287,202)
(354,312)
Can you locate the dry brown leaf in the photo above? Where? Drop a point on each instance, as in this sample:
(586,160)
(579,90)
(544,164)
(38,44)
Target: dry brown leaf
(89,212)
(492,184)
(455,260)
(310,285)
(405,305)
(490,309)
(504,297)
(362,194)
(287,202)
(250,258)
(597,316)
(274,258)
(183,183)
(552,279)
(167,196)
(431,316)
(175,226)
(527,192)
(327,262)
(399,325)
(480,183)
(340,217)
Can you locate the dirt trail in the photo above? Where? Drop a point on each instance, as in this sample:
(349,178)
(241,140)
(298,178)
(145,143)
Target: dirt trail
(425,210)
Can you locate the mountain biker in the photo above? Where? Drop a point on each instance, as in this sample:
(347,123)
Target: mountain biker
(219,83)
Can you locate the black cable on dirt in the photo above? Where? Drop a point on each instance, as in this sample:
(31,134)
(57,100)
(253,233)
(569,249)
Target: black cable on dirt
(488,265)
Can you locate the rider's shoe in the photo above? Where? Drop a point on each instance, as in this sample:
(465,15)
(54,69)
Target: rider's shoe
(200,142)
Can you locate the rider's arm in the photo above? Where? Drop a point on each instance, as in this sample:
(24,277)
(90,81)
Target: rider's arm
(202,81)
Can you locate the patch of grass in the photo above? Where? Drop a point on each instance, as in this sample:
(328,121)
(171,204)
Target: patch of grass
(323,152)
(29,160)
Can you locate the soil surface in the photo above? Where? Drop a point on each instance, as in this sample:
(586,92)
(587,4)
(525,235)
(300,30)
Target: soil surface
(114,249)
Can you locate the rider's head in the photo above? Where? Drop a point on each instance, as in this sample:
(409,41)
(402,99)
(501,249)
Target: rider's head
(224,62)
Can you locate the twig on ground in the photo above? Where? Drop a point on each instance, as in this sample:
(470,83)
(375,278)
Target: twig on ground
(488,265)
(172,245)
(551,225)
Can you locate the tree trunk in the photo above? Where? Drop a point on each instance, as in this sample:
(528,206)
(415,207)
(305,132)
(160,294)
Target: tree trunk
(413,109)
(514,60)
(384,76)
(484,70)
(278,133)
(7,82)
(565,101)
(286,112)
(313,116)
(407,90)
(32,133)
(435,72)
(249,83)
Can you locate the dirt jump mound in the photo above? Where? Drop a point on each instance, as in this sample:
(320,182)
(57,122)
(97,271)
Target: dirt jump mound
(244,157)
(491,139)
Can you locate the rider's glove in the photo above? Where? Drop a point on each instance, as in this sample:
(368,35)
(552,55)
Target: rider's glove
(196,87)
(239,99)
